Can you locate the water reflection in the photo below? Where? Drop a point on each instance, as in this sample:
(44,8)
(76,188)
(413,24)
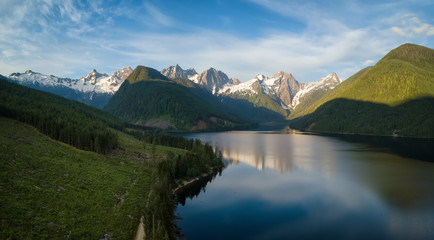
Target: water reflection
(414,148)
(193,189)
(310,187)
(280,152)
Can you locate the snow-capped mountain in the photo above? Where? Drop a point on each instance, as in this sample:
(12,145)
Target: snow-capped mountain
(283,86)
(326,83)
(93,82)
(94,89)
(213,80)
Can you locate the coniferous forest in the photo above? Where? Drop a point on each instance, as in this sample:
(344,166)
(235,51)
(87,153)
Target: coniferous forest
(133,168)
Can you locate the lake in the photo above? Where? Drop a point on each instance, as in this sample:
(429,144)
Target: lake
(304,186)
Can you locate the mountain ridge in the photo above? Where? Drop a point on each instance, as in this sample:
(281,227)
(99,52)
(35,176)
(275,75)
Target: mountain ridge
(149,98)
(403,80)
(94,89)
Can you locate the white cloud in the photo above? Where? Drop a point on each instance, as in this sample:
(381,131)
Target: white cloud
(63,38)
(368,62)
(308,57)
(411,26)
(398,31)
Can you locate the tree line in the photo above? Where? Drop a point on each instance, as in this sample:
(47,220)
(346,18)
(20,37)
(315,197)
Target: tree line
(73,123)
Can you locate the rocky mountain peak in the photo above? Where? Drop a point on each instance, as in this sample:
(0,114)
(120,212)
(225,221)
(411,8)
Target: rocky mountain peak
(121,75)
(176,71)
(213,80)
(326,83)
(92,76)
(235,81)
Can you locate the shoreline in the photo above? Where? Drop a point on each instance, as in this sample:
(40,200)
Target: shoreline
(140,233)
(186,183)
(357,134)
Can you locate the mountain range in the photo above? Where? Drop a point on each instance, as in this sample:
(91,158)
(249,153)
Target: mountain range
(394,97)
(94,89)
(150,99)
(280,93)
(259,99)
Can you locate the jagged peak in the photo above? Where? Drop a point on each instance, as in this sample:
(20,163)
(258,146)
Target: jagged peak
(283,74)
(260,77)
(211,69)
(332,77)
(128,68)
(235,81)
(28,71)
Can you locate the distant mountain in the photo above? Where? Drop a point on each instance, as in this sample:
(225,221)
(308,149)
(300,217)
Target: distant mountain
(309,89)
(178,72)
(283,92)
(94,89)
(68,121)
(148,98)
(280,93)
(213,80)
(394,97)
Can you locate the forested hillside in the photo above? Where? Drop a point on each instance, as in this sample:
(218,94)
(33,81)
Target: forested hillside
(395,97)
(148,98)
(49,189)
(65,120)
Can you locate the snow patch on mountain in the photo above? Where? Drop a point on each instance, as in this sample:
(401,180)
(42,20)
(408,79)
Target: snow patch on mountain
(330,81)
(283,86)
(92,82)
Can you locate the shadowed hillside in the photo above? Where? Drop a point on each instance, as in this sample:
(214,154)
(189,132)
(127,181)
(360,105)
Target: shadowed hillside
(414,118)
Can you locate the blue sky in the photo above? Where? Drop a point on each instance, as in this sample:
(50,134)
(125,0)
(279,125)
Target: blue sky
(309,39)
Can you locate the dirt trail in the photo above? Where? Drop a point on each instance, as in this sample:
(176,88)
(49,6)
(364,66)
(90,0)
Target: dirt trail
(140,235)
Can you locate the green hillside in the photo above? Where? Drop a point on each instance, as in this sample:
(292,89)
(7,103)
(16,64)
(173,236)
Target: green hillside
(65,120)
(318,98)
(398,89)
(53,190)
(148,98)
(259,107)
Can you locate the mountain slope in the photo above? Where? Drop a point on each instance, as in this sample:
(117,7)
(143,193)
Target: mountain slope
(65,120)
(312,101)
(94,89)
(399,91)
(149,98)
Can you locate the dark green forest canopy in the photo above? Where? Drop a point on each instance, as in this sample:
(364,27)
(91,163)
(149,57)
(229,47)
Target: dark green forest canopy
(149,96)
(65,120)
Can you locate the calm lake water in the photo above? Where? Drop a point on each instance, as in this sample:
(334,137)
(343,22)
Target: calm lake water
(295,186)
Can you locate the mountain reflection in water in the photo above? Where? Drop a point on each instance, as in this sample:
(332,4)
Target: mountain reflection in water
(281,186)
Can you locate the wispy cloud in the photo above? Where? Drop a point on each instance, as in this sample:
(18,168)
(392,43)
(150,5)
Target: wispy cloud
(158,16)
(68,38)
(411,26)
(305,56)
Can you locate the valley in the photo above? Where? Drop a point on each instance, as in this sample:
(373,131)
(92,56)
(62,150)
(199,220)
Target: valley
(117,158)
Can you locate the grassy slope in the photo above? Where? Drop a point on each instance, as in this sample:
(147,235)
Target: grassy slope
(62,192)
(393,92)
